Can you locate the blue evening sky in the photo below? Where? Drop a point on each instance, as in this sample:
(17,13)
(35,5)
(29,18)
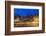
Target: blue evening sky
(25,12)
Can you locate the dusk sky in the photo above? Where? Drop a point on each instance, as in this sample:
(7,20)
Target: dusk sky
(25,12)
